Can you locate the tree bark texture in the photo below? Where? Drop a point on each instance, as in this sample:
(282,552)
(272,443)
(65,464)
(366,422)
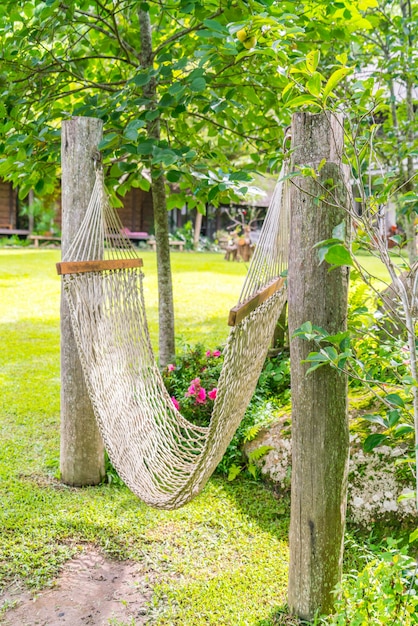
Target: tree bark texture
(82,452)
(197,229)
(410,228)
(320,439)
(161,225)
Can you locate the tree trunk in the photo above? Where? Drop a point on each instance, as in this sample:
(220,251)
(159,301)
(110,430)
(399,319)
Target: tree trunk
(320,439)
(31,200)
(165,287)
(410,228)
(82,453)
(197,229)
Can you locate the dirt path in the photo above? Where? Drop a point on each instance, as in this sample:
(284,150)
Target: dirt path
(90,591)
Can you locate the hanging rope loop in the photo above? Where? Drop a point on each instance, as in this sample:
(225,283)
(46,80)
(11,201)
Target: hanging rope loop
(97,160)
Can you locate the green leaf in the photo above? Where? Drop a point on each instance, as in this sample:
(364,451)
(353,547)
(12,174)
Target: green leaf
(331,352)
(173,176)
(141,79)
(335,78)
(314,84)
(213,193)
(339,338)
(393,417)
(288,87)
(407,496)
(146,147)
(367,4)
(214,25)
(373,441)
(108,140)
(131,130)
(414,535)
(338,256)
(376,419)
(176,89)
(300,101)
(315,367)
(339,231)
(316,357)
(323,251)
(258,453)
(144,184)
(403,429)
(312,60)
(198,84)
(342,58)
(234,471)
(304,331)
(395,399)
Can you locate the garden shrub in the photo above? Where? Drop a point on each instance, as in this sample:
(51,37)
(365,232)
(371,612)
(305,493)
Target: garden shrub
(191,383)
(384,592)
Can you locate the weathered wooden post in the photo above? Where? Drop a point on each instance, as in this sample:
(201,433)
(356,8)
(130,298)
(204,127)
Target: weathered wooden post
(320,437)
(82,453)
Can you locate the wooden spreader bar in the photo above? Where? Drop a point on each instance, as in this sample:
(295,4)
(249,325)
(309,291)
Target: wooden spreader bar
(239,312)
(81,267)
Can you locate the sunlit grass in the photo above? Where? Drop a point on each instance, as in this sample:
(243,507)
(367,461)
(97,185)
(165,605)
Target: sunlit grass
(220,560)
(230,542)
(375,268)
(205,287)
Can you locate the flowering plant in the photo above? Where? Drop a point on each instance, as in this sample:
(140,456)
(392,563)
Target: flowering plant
(192,382)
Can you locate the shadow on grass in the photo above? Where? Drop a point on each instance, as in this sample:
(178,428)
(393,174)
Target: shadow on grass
(257,501)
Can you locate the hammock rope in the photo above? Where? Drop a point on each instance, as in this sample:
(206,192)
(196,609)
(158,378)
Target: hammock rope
(163,458)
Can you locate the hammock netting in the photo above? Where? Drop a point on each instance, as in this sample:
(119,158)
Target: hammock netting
(163,458)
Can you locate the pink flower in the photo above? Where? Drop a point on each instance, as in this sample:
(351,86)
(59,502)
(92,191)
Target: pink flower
(212,394)
(201,396)
(194,387)
(191,391)
(214,353)
(171,367)
(175,402)
(197,391)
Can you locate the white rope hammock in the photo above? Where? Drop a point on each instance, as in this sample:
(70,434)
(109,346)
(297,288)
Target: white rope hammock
(164,459)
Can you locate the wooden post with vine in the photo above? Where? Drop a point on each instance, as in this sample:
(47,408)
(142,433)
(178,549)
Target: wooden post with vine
(320,439)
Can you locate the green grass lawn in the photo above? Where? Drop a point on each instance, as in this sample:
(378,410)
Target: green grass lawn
(230,543)
(220,560)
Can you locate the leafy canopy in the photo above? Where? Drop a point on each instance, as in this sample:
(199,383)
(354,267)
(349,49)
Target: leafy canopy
(218,68)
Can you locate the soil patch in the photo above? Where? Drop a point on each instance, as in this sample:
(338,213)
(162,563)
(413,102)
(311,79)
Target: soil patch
(90,591)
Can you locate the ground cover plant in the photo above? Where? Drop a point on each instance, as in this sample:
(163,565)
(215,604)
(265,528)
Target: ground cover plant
(220,560)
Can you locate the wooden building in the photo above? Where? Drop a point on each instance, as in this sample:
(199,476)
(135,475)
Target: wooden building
(9,214)
(137,213)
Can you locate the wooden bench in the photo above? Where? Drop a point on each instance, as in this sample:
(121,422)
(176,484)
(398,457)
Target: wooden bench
(37,238)
(175,243)
(135,235)
(8,232)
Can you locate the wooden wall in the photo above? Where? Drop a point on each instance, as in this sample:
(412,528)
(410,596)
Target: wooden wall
(8,206)
(137,212)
